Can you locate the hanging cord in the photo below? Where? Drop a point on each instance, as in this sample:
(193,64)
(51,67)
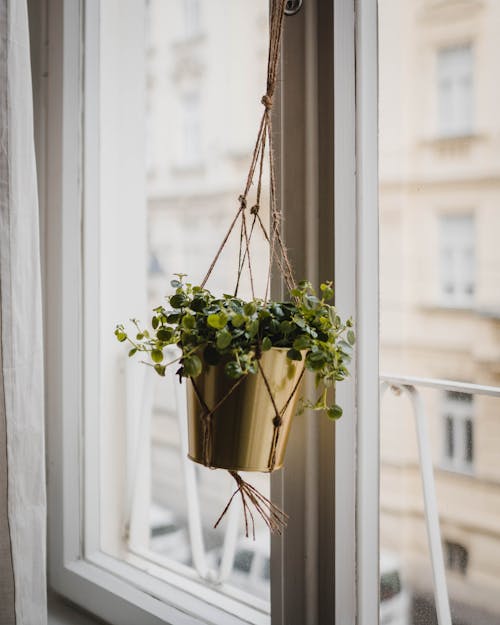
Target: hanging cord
(274,518)
(264,140)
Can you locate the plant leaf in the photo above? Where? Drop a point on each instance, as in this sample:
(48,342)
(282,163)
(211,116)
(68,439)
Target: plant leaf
(192,366)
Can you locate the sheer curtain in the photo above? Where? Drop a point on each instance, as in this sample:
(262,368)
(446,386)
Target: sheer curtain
(22,471)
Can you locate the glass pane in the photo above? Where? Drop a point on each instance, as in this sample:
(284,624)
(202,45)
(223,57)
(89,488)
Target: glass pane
(198,103)
(440,302)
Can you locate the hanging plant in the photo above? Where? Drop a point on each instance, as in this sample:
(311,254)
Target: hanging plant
(245,360)
(235,334)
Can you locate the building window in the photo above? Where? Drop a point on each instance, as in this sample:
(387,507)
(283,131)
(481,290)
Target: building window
(191,18)
(455,91)
(458,431)
(457,557)
(457,260)
(191,130)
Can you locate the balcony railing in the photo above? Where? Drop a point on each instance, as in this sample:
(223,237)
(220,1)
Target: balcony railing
(410,386)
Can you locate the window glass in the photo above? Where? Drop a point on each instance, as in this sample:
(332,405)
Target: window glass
(439,199)
(455,90)
(200,59)
(457,259)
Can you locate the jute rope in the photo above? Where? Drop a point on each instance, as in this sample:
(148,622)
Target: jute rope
(272,515)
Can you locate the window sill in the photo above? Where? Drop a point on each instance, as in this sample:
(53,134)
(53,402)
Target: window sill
(62,613)
(189,169)
(453,308)
(487,313)
(464,471)
(457,144)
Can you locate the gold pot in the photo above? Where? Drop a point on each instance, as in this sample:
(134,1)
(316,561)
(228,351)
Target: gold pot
(243,429)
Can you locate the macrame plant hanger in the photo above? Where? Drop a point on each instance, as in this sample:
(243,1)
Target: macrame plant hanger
(274,518)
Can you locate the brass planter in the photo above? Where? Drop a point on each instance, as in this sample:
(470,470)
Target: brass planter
(243,424)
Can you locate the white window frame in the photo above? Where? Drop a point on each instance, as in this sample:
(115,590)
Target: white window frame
(113,589)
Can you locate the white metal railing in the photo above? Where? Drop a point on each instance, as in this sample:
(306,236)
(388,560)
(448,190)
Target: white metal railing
(138,429)
(409,385)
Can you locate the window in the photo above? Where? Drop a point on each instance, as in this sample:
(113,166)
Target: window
(457,260)
(457,557)
(458,428)
(455,91)
(103,450)
(191,18)
(191,130)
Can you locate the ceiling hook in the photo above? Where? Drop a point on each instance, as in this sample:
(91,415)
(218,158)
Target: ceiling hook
(292,7)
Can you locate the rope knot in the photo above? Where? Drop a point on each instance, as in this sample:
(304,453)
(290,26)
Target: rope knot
(243,201)
(277,422)
(267,101)
(255,209)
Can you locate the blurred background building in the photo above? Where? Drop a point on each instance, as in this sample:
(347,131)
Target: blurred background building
(440,289)
(439,257)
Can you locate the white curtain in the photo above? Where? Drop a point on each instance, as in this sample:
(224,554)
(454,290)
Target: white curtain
(22,471)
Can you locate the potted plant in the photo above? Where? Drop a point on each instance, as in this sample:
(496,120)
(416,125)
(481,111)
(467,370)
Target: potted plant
(245,361)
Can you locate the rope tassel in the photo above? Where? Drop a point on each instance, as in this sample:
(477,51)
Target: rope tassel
(274,517)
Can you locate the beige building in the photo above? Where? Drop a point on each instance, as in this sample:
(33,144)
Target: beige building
(440,286)
(203,107)
(203,104)
(440,259)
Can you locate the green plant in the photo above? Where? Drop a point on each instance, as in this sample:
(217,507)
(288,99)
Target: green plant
(209,330)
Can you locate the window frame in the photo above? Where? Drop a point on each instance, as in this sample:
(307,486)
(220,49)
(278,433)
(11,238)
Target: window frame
(344,496)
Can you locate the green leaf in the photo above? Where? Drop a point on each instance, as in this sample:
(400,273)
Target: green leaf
(233,369)
(173,317)
(121,336)
(351,337)
(132,351)
(252,327)
(286,327)
(294,354)
(188,322)
(334,412)
(266,344)
(238,320)
(192,366)
(160,370)
(223,339)
(198,304)
(154,322)
(249,308)
(165,334)
(217,320)
(327,291)
(179,300)
(211,355)
(175,283)
(156,355)
(302,342)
